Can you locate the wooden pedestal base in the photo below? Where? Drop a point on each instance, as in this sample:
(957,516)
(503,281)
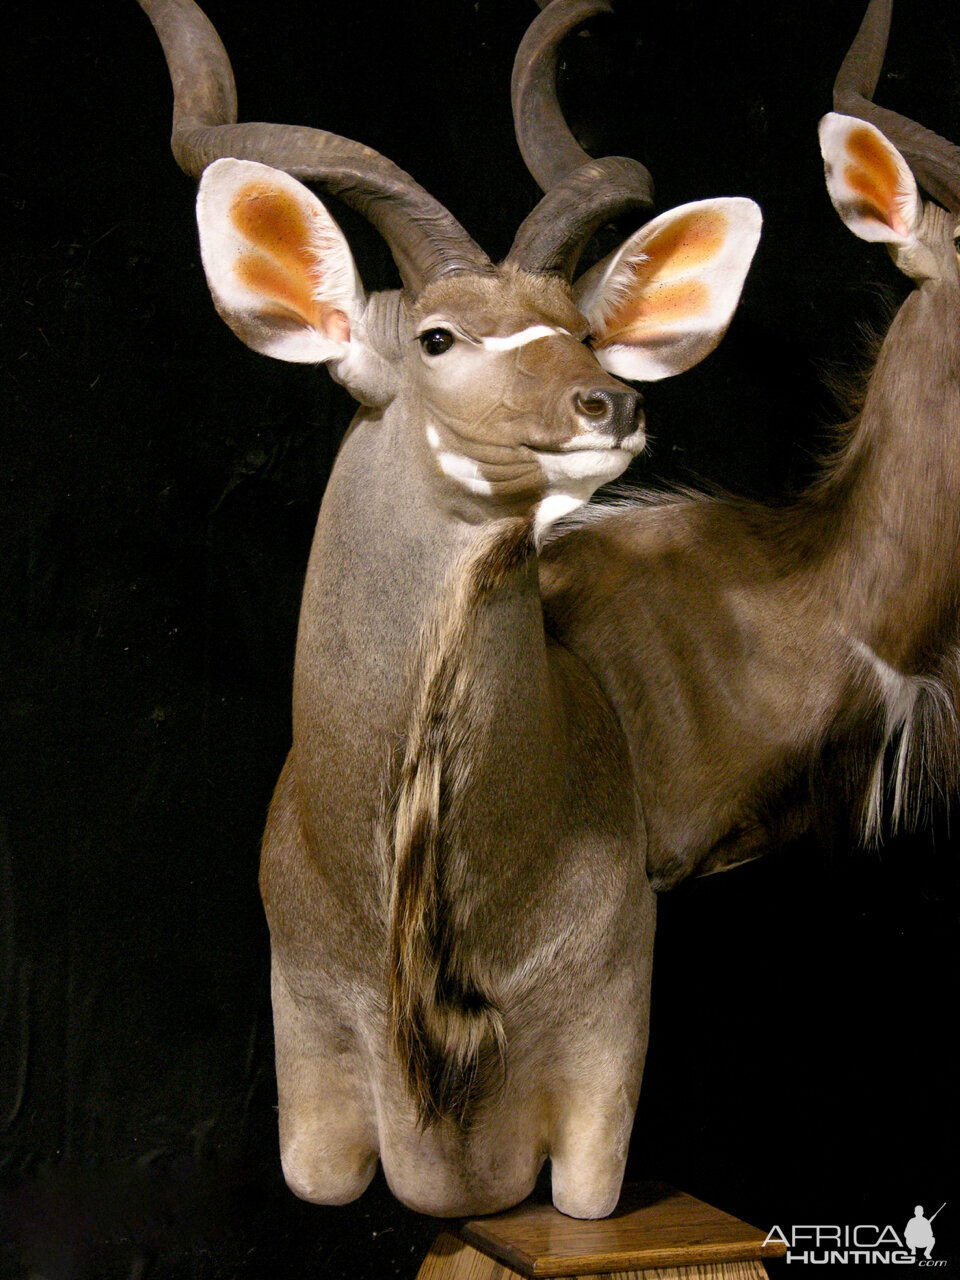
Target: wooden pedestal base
(656,1233)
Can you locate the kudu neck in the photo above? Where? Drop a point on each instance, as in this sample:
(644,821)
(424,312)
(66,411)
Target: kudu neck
(393,507)
(383,608)
(383,531)
(895,498)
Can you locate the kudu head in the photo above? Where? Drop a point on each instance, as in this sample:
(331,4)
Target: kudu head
(507,376)
(876,161)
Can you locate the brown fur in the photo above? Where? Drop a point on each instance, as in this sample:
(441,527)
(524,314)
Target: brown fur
(447,1030)
(777,666)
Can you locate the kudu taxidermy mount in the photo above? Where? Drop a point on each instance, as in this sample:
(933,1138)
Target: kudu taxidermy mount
(517,715)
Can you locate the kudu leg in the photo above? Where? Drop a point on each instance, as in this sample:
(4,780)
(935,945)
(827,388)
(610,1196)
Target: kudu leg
(328,1140)
(588,1152)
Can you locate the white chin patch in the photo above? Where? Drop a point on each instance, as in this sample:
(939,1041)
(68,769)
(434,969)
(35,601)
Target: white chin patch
(574,475)
(588,464)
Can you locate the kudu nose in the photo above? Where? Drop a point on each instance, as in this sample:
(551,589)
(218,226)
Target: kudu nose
(615,411)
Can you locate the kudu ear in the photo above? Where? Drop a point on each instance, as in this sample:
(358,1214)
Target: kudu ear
(278,266)
(664,300)
(869,182)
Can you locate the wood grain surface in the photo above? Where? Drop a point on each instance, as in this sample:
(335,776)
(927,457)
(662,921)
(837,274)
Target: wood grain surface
(452,1258)
(654,1226)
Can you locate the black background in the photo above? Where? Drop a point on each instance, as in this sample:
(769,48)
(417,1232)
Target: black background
(160,485)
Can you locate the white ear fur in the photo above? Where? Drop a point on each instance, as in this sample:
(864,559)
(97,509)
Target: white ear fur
(278,266)
(664,300)
(869,182)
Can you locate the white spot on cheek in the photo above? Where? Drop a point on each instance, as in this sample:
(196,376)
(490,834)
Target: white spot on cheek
(465,471)
(520,339)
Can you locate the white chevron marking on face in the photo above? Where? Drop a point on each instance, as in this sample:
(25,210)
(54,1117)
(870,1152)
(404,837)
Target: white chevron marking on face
(522,338)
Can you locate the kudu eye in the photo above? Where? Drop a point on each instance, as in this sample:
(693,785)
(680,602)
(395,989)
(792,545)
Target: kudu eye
(436,341)
(956,242)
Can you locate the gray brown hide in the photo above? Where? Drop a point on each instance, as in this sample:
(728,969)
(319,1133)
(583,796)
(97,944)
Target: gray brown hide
(508,731)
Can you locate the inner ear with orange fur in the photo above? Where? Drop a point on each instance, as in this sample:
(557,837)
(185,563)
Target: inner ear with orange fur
(870,184)
(665,299)
(278,266)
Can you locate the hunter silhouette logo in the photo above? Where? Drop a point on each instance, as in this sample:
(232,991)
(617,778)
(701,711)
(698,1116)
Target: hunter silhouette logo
(824,1244)
(918,1233)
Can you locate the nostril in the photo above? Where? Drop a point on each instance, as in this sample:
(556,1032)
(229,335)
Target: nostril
(593,404)
(616,410)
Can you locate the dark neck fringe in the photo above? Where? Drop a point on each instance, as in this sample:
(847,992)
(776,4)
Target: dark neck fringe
(447,1031)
